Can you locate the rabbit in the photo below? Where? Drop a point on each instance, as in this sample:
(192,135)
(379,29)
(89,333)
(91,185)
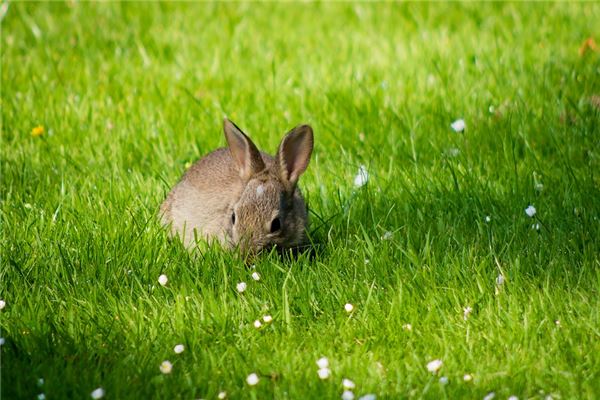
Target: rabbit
(242,197)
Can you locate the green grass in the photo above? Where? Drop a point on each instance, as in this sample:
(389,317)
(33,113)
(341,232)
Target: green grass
(129,94)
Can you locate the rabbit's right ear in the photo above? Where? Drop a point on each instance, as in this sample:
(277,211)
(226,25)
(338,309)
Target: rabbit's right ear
(244,152)
(294,154)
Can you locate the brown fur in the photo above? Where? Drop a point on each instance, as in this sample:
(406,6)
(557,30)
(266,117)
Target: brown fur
(254,185)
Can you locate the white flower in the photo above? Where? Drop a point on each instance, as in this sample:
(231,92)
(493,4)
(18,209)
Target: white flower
(178,349)
(466,312)
(255,276)
(268,319)
(458,125)
(348,307)
(453,152)
(362,177)
(2,304)
(166,367)
(407,327)
(347,395)
(557,322)
(387,235)
(241,287)
(488,218)
(41,396)
(513,397)
(323,362)
(98,393)
(467,377)
(348,384)
(252,379)
(222,395)
(367,261)
(530,211)
(434,366)
(163,280)
(443,380)
(500,280)
(257,324)
(369,396)
(489,396)
(324,373)
(2,341)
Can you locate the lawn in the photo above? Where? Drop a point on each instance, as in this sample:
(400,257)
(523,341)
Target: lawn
(104,106)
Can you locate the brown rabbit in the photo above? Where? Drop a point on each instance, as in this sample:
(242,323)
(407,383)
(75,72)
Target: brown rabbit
(242,197)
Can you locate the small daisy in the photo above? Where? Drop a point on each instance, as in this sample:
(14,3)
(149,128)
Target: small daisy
(222,395)
(324,373)
(268,319)
(348,384)
(489,396)
(387,236)
(513,397)
(453,152)
(323,362)
(252,379)
(434,366)
(347,395)
(98,393)
(443,380)
(166,367)
(362,177)
(407,327)
(466,312)
(41,396)
(348,307)
(257,324)
(2,304)
(467,377)
(2,341)
(178,349)
(488,218)
(458,125)
(369,396)
(530,211)
(163,280)
(241,287)
(557,322)
(255,276)
(500,280)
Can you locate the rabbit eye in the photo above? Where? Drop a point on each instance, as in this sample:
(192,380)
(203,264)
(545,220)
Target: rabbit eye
(275,225)
(233,218)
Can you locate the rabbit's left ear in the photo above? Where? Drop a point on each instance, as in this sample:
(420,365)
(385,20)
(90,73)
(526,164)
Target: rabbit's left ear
(294,154)
(243,150)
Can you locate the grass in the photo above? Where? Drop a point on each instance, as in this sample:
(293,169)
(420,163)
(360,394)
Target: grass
(129,94)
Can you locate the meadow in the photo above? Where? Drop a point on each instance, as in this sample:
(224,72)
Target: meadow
(435,246)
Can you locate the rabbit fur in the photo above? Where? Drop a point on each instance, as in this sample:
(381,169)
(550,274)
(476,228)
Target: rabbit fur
(242,197)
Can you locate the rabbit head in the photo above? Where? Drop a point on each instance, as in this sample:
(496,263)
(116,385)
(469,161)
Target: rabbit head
(270,210)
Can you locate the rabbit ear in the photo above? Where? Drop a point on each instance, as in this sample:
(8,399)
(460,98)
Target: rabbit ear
(294,153)
(244,152)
